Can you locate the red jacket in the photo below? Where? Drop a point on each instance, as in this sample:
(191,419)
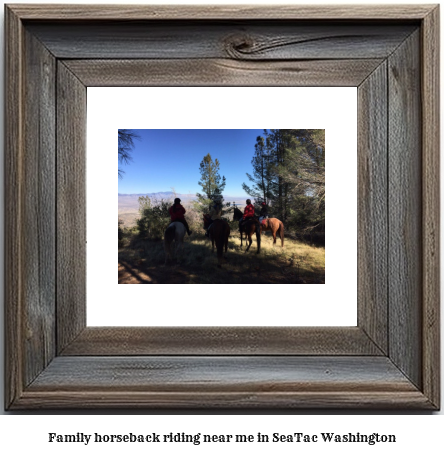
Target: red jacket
(178,212)
(248,211)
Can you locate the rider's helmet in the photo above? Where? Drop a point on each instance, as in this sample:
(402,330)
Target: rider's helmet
(177,201)
(248,201)
(264,203)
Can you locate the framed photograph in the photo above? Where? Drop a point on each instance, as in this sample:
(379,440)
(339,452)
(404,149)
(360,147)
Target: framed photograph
(167,159)
(389,359)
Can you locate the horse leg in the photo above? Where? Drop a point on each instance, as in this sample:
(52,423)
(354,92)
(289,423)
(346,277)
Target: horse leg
(179,249)
(167,251)
(219,248)
(240,232)
(176,249)
(274,237)
(258,239)
(168,239)
(250,241)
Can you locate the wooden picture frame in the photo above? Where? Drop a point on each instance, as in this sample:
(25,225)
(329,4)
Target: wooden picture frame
(390,360)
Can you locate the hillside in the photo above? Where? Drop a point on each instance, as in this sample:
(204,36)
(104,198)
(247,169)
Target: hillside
(143,261)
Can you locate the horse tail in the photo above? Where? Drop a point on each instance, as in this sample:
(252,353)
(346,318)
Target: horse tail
(258,237)
(281,233)
(227,235)
(170,234)
(220,236)
(220,247)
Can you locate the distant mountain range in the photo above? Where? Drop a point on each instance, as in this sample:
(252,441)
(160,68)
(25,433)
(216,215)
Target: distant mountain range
(129,202)
(185,198)
(158,195)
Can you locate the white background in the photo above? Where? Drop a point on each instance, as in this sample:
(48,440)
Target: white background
(329,304)
(416,433)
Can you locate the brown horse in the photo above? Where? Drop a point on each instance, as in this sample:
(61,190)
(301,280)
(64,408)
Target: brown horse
(275,226)
(219,232)
(249,227)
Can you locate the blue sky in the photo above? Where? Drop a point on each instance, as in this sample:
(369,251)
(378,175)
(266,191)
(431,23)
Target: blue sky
(163,159)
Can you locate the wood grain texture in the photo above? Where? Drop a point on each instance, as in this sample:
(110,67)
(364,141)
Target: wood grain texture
(233,382)
(245,401)
(233,40)
(405,209)
(127,341)
(221,72)
(89,374)
(220,12)
(38,236)
(209,373)
(372,207)
(13,210)
(431,208)
(71,206)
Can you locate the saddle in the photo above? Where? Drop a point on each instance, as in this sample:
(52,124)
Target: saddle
(249,219)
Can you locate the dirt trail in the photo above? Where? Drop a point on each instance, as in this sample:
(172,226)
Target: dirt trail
(131,273)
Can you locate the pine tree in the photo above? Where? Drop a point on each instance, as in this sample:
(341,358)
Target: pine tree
(304,173)
(277,142)
(125,145)
(211,182)
(289,175)
(262,176)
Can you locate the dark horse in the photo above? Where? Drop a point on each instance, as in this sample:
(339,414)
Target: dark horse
(275,226)
(219,232)
(248,227)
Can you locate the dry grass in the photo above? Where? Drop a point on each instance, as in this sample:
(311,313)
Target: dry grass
(142,261)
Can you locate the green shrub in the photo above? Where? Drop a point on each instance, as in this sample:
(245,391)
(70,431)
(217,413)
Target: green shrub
(154,217)
(120,232)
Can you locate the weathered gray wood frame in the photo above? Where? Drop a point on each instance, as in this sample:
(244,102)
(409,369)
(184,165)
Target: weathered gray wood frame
(390,360)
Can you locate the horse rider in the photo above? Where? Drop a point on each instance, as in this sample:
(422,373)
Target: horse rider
(263,214)
(248,213)
(214,214)
(177,212)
